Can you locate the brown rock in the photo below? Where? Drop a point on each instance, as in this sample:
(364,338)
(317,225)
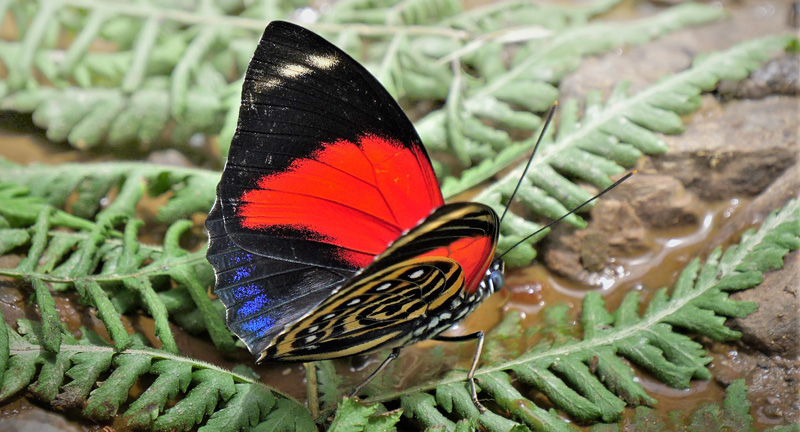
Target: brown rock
(775,327)
(772,382)
(779,76)
(646,64)
(738,149)
(614,230)
(32,418)
(786,187)
(660,201)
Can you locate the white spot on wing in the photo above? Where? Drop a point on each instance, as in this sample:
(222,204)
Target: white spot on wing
(417,274)
(354,302)
(323,61)
(384,286)
(293,70)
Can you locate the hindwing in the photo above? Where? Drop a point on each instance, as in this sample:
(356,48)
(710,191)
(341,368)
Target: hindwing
(414,290)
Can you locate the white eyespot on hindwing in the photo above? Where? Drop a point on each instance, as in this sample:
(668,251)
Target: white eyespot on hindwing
(354,302)
(384,286)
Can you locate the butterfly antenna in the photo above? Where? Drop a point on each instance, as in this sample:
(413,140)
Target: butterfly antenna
(603,192)
(550,114)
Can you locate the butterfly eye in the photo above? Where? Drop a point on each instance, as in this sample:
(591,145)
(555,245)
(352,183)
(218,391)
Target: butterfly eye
(497,280)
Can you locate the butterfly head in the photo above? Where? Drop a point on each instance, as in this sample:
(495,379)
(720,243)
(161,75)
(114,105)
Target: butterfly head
(494,278)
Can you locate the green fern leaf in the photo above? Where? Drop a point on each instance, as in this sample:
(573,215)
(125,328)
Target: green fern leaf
(287,416)
(614,135)
(172,378)
(110,273)
(352,416)
(587,378)
(224,400)
(246,409)
(732,416)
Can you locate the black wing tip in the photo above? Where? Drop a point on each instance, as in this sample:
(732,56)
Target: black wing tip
(286,29)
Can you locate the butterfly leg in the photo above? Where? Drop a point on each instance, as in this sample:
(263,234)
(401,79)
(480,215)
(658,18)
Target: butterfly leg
(471,375)
(395,352)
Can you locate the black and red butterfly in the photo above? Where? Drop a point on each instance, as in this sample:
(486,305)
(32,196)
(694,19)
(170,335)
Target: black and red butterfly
(329,235)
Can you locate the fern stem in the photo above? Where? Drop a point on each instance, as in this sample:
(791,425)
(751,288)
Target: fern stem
(312,397)
(152,270)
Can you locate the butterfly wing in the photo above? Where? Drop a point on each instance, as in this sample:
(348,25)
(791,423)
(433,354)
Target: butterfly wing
(263,295)
(416,289)
(324,171)
(324,167)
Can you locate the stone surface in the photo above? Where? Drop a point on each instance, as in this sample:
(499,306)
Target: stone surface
(786,187)
(738,148)
(779,76)
(772,382)
(645,64)
(775,327)
(26,417)
(615,229)
(660,201)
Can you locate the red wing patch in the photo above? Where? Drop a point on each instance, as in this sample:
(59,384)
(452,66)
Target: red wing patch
(359,197)
(474,254)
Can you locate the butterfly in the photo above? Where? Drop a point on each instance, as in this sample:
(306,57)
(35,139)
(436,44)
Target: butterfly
(329,236)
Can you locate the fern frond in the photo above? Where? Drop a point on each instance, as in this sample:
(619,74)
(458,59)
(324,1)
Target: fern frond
(111,270)
(72,377)
(538,66)
(586,377)
(609,137)
(732,415)
(175,67)
(189,190)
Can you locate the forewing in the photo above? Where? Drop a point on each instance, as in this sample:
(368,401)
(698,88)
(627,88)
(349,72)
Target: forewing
(263,295)
(324,167)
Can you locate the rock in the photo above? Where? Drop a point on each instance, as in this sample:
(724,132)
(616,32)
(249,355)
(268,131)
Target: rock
(170,157)
(786,187)
(646,64)
(660,201)
(778,77)
(31,418)
(614,230)
(775,327)
(737,149)
(772,382)
(619,225)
